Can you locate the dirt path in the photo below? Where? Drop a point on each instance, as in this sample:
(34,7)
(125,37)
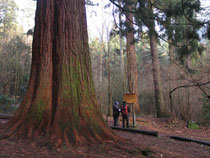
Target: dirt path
(138,145)
(164,144)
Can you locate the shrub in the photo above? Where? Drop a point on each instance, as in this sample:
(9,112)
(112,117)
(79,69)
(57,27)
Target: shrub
(206,111)
(192,125)
(7,104)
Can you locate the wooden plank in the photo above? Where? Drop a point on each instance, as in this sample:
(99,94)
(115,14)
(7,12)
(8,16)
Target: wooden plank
(190,140)
(130,98)
(5,116)
(151,133)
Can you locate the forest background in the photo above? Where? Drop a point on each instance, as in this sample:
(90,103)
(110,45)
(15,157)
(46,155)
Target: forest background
(189,79)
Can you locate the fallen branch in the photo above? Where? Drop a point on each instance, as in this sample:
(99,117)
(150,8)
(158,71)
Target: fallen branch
(5,116)
(199,85)
(190,140)
(151,133)
(192,85)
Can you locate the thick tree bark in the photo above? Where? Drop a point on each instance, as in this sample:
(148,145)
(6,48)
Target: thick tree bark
(60,100)
(159,102)
(132,71)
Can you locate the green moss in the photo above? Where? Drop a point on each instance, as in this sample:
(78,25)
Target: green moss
(94,125)
(36,112)
(192,125)
(40,109)
(76,91)
(70,87)
(22,108)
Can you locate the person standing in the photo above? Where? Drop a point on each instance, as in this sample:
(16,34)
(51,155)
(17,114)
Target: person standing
(116,112)
(125,114)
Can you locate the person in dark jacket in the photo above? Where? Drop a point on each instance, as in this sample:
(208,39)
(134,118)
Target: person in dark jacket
(125,114)
(116,112)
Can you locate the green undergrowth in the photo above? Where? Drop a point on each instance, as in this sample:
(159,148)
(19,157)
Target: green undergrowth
(7,104)
(192,125)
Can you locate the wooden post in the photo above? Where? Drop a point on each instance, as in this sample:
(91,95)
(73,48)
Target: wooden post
(133,114)
(131,98)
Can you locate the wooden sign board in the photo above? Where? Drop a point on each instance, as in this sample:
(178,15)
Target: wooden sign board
(130,98)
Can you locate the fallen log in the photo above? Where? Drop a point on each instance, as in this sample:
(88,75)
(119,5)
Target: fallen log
(5,116)
(190,140)
(151,133)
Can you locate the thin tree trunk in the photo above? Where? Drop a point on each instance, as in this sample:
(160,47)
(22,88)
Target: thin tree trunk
(4,89)
(100,79)
(122,65)
(171,70)
(109,85)
(109,80)
(16,76)
(173,116)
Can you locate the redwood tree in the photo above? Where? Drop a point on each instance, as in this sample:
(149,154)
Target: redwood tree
(132,71)
(159,101)
(60,101)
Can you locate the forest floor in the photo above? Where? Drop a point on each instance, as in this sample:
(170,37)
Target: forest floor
(135,145)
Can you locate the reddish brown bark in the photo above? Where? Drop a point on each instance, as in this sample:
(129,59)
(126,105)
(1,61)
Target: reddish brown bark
(159,101)
(132,71)
(60,101)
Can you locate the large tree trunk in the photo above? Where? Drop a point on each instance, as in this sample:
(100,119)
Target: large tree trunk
(159,102)
(132,71)
(60,100)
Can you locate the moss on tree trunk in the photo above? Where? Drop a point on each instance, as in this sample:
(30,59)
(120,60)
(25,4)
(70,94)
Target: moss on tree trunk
(60,101)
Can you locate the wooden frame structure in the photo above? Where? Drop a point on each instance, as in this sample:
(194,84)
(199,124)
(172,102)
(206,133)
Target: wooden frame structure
(131,98)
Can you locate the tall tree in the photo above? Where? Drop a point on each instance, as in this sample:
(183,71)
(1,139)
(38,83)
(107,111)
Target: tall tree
(15,62)
(159,102)
(7,16)
(60,100)
(108,63)
(11,47)
(122,64)
(146,17)
(132,71)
